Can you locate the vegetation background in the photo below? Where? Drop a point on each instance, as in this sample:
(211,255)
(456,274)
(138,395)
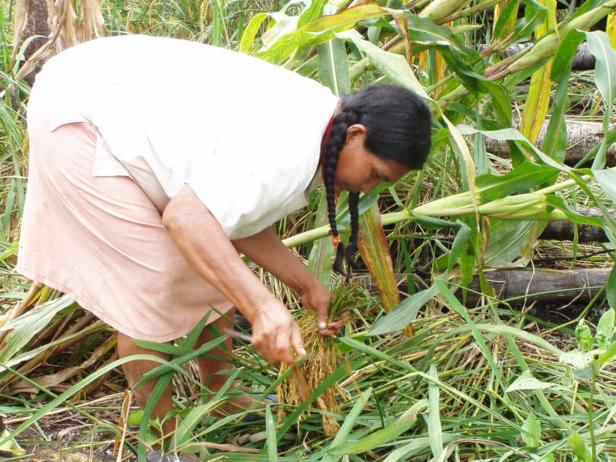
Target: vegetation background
(459,345)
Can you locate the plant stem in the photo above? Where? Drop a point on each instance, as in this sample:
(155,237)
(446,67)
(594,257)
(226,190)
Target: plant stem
(593,442)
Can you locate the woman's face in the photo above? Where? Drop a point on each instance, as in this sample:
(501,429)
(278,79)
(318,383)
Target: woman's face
(358,169)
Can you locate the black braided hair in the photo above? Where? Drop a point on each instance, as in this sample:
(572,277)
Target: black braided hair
(337,138)
(352,245)
(397,123)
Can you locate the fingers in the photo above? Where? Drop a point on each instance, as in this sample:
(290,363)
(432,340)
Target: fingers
(281,343)
(322,315)
(290,347)
(334,327)
(297,343)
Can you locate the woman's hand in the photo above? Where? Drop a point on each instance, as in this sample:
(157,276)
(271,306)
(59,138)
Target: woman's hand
(275,334)
(315,296)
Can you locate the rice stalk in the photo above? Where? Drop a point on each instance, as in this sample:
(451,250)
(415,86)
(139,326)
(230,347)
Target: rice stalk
(322,357)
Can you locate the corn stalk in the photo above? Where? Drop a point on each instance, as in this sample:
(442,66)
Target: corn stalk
(532,206)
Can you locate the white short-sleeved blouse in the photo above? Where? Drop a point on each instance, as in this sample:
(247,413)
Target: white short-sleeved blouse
(244,134)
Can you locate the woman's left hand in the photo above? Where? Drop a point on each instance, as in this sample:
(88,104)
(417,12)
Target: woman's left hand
(315,296)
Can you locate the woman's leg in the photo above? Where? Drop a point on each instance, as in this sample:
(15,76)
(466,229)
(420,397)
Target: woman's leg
(211,371)
(134,371)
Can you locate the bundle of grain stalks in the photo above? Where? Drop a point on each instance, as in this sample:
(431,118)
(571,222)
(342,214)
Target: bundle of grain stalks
(322,356)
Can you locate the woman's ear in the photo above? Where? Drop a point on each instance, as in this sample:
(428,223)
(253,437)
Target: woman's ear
(355,131)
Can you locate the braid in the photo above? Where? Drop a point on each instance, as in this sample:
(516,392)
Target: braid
(334,143)
(352,245)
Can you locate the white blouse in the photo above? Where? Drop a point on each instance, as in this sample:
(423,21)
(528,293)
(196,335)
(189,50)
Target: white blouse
(244,134)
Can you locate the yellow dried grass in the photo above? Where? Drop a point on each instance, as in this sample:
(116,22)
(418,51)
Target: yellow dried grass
(322,359)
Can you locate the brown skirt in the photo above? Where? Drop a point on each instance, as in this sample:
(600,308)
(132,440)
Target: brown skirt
(101,240)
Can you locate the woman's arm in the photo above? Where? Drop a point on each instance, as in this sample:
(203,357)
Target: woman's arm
(207,248)
(267,250)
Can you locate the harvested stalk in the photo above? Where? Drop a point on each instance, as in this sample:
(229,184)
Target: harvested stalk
(322,358)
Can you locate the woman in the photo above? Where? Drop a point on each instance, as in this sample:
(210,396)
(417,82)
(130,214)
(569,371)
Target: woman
(154,162)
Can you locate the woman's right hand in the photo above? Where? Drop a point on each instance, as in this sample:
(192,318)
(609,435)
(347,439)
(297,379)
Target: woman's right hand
(275,334)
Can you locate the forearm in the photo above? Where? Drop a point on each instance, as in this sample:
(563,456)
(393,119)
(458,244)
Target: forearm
(267,250)
(203,243)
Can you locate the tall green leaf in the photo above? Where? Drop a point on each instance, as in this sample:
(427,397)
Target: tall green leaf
(403,314)
(435,431)
(315,32)
(391,65)
(334,67)
(381,437)
(555,140)
(605,78)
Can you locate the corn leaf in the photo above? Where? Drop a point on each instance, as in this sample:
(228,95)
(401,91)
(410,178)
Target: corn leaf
(316,32)
(462,245)
(523,178)
(558,203)
(25,327)
(611,289)
(250,32)
(607,180)
(334,67)
(270,431)
(435,431)
(392,65)
(348,424)
(555,140)
(610,29)
(505,16)
(283,26)
(511,134)
(605,78)
(546,47)
(423,31)
(538,99)
(384,436)
(403,314)
(507,30)
(313,12)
